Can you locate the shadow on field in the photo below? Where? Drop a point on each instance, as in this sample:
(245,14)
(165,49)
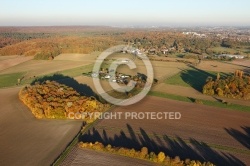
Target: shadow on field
(196,78)
(82,89)
(242,137)
(191,148)
(247,71)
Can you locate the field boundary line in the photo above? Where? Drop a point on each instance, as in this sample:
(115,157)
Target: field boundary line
(75,141)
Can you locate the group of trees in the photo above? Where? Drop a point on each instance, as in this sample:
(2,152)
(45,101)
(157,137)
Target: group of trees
(44,45)
(5,41)
(160,158)
(10,38)
(25,36)
(53,100)
(177,41)
(234,86)
(150,39)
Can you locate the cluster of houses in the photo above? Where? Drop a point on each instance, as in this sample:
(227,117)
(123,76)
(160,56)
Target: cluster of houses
(195,34)
(134,51)
(151,51)
(121,78)
(230,56)
(165,50)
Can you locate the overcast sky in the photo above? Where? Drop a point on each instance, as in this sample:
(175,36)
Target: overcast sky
(125,12)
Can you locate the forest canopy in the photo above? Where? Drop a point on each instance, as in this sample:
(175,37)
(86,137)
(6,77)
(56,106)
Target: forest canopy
(53,100)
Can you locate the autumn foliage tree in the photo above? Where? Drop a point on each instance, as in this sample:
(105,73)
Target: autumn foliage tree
(160,158)
(53,100)
(234,86)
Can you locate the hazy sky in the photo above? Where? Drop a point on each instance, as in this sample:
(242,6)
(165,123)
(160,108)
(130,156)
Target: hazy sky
(125,12)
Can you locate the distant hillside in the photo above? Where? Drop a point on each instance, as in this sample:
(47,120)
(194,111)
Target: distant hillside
(45,42)
(53,46)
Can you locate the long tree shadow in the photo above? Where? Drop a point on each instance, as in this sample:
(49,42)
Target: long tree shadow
(242,137)
(82,89)
(247,71)
(191,148)
(196,78)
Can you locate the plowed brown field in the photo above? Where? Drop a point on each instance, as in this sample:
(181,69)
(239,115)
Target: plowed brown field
(25,140)
(204,133)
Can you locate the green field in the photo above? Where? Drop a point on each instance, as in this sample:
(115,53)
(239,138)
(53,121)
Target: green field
(69,72)
(192,77)
(222,49)
(7,80)
(230,50)
(77,71)
(205,102)
(81,70)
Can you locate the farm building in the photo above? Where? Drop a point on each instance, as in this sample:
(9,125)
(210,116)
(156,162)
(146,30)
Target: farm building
(230,56)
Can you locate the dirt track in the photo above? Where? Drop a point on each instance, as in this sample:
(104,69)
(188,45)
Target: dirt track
(203,132)
(25,140)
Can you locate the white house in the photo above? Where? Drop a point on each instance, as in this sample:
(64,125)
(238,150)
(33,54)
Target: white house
(231,56)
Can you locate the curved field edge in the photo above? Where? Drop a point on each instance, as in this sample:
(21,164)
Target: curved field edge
(10,80)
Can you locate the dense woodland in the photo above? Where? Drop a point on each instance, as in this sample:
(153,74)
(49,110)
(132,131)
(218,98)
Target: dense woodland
(234,86)
(53,100)
(46,42)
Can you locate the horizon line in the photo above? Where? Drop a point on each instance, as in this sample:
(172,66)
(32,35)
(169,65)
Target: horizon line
(128,26)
